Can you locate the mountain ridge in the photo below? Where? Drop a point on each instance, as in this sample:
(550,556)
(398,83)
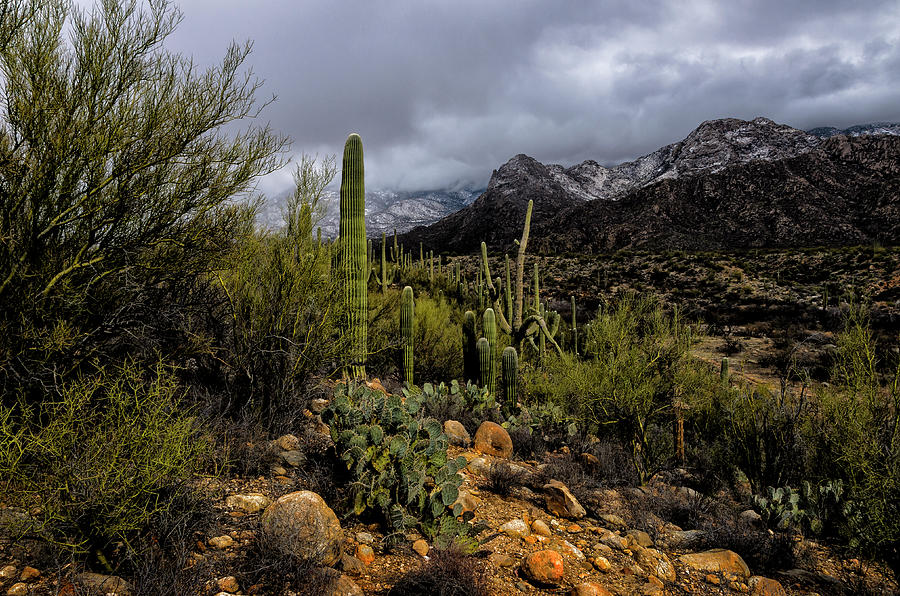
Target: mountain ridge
(715,146)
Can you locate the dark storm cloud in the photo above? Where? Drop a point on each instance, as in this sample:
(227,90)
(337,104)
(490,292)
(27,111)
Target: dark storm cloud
(443,92)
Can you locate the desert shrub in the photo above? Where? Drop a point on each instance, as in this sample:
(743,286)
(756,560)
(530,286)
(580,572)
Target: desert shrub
(119,183)
(859,432)
(285,323)
(448,572)
(103,460)
(626,382)
(502,478)
(437,337)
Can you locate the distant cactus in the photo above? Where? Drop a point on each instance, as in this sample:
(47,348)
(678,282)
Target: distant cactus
(510,376)
(723,370)
(483,348)
(407,318)
(354,267)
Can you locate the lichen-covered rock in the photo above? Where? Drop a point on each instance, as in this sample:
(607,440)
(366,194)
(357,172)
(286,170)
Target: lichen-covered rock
(764,586)
(300,524)
(492,439)
(457,433)
(590,589)
(655,562)
(96,583)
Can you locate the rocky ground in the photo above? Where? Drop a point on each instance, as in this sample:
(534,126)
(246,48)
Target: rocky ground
(540,537)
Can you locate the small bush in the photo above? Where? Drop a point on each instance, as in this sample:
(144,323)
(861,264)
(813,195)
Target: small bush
(449,572)
(102,461)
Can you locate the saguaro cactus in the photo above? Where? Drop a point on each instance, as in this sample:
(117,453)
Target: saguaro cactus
(510,376)
(354,268)
(574,329)
(723,370)
(407,316)
(489,320)
(484,363)
(470,338)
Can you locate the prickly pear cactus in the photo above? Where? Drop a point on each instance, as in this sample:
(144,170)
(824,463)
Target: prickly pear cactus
(396,455)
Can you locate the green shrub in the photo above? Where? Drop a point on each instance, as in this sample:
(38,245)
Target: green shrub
(626,383)
(397,457)
(101,461)
(437,337)
(858,431)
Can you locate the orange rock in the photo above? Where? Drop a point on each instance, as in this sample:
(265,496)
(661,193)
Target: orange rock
(716,560)
(492,439)
(530,539)
(365,554)
(421,547)
(545,567)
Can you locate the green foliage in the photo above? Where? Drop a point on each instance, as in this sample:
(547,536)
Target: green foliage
(471,405)
(396,455)
(354,266)
(104,458)
(634,357)
(284,324)
(860,433)
(118,182)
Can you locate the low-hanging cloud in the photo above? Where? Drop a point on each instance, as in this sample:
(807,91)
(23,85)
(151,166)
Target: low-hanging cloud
(444,92)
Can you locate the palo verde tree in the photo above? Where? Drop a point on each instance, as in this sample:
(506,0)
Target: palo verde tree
(116,179)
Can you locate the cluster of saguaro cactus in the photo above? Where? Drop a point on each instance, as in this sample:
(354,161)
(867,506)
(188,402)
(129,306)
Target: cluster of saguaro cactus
(353,264)
(407,319)
(524,325)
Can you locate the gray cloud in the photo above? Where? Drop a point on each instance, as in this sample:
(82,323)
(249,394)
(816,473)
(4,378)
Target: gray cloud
(443,92)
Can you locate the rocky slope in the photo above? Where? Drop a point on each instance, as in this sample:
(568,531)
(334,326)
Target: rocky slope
(691,194)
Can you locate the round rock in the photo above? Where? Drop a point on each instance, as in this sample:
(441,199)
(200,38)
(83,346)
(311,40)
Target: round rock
(545,566)
(302,525)
(492,439)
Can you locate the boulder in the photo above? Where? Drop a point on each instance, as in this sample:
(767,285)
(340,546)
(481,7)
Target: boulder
(457,433)
(288,443)
(492,439)
(545,567)
(300,524)
(715,561)
(561,502)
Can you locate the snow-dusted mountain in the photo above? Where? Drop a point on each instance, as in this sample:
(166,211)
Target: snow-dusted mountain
(386,210)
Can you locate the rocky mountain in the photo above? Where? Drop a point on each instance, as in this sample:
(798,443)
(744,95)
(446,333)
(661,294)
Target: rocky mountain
(386,210)
(875,128)
(729,184)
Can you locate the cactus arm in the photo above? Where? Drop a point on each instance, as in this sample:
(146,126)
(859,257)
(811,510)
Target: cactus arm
(520,266)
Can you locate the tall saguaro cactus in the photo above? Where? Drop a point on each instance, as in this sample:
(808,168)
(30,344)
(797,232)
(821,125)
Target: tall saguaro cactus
(354,267)
(407,316)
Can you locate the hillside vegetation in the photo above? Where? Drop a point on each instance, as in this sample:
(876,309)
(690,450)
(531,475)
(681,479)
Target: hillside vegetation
(188,403)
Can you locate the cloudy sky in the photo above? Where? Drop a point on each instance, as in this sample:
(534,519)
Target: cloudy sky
(444,92)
